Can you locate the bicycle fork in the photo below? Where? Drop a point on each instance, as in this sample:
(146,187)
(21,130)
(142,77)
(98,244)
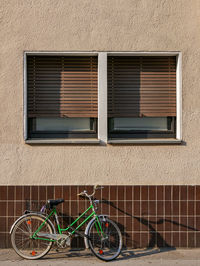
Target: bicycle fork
(98,228)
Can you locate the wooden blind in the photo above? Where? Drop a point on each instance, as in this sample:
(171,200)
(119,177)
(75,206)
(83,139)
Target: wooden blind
(141,86)
(62,86)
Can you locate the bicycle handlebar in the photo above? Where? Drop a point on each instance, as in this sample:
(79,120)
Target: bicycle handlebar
(84,193)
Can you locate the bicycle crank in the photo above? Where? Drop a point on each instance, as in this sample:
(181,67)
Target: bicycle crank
(63,242)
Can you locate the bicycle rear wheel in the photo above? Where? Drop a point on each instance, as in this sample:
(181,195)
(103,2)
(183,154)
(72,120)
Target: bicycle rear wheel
(21,240)
(108,246)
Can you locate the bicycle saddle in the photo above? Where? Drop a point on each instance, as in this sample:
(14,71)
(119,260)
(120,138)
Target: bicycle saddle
(52,202)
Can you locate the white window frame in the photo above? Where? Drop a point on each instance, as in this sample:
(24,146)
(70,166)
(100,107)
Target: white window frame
(178,138)
(102,99)
(53,141)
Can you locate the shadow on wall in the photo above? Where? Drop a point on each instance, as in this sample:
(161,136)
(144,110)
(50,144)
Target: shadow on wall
(156,240)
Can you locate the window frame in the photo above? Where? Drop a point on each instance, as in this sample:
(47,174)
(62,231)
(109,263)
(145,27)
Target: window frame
(177,135)
(36,137)
(102,127)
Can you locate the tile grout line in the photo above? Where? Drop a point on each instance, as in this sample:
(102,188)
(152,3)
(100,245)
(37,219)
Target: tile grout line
(38,199)
(133,221)
(23,198)
(62,196)
(15,202)
(187,218)
(120,216)
(179,219)
(30,200)
(118,206)
(126,231)
(109,200)
(171,237)
(7,214)
(148,236)
(172,213)
(77,191)
(156,215)
(45,194)
(195,217)
(164,217)
(124,219)
(70,202)
(4,201)
(140,195)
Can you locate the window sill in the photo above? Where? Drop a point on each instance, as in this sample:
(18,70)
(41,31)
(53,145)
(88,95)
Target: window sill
(144,141)
(62,141)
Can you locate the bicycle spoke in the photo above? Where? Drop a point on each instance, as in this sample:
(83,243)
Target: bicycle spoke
(24,232)
(21,241)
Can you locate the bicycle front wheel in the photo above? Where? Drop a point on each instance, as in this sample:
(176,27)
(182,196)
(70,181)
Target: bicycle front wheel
(105,245)
(22,241)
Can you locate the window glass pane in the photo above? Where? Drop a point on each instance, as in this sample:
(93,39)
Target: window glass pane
(143,123)
(62,124)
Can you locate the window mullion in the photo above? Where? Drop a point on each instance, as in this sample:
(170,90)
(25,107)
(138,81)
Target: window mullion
(102,97)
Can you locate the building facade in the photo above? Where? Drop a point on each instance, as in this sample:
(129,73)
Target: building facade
(103,92)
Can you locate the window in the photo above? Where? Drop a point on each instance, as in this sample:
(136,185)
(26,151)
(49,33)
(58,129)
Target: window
(141,97)
(102,97)
(62,96)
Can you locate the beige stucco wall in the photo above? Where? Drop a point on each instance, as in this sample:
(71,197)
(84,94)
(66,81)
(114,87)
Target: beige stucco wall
(103,25)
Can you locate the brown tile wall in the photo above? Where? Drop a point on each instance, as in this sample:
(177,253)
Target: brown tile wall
(148,216)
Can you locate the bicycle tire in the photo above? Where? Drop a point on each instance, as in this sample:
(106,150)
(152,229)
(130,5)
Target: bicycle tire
(101,247)
(23,245)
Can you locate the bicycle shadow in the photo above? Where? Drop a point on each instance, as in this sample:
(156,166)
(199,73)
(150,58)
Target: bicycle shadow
(156,239)
(69,254)
(129,254)
(87,254)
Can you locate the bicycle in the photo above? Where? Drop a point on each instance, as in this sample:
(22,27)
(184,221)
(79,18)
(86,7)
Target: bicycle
(33,234)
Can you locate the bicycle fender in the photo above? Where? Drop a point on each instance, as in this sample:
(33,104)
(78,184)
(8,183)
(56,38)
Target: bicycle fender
(38,214)
(88,226)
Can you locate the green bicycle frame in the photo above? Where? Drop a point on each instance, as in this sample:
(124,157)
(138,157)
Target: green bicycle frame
(60,230)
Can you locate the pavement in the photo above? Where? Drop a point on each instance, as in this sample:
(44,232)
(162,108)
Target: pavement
(139,257)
